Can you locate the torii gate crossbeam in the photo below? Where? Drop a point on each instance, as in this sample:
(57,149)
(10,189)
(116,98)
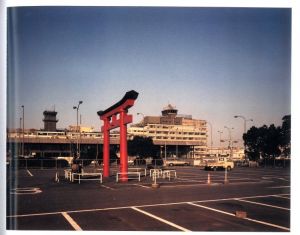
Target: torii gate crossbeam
(113,117)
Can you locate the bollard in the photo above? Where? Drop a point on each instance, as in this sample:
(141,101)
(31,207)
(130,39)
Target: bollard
(226,178)
(154,185)
(56,177)
(208,179)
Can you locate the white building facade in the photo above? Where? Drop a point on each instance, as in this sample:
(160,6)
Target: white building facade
(172,130)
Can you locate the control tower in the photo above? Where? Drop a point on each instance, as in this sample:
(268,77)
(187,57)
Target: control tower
(50,120)
(169,111)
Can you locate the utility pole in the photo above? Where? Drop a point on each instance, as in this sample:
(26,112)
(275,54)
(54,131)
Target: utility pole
(77,108)
(23,129)
(245,129)
(230,141)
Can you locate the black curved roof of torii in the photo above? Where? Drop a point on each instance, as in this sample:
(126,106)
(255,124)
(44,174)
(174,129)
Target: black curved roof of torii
(129,95)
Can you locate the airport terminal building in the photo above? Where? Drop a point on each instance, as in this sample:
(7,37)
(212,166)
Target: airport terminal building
(174,131)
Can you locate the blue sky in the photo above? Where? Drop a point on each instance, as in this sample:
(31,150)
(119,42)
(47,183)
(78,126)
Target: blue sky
(213,63)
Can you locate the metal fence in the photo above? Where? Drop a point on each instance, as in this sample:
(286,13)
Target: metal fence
(31,163)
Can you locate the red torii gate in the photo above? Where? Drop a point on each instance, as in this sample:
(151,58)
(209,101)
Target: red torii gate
(113,117)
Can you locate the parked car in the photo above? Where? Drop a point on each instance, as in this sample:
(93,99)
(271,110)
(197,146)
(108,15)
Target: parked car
(219,163)
(176,162)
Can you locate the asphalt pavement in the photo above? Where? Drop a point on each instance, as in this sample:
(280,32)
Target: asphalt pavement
(248,199)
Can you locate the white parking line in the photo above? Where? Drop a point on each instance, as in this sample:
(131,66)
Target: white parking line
(283,179)
(263,204)
(28,190)
(140,206)
(189,185)
(283,186)
(270,195)
(71,221)
(29,173)
(143,186)
(190,179)
(281,197)
(249,219)
(104,186)
(161,219)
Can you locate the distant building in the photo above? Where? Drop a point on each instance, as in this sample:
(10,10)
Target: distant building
(74,128)
(171,129)
(50,120)
(235,153)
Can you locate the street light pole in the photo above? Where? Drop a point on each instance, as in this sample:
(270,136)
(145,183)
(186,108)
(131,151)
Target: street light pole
(220,132)
(230,143)
(77,108)
(245,128)
(245,121)
(23,129)
(20,143)
(176,142)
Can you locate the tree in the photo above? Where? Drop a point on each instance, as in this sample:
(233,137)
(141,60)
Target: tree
(268,142)
(286,135)
(142,147)
(254,140)
(272,142)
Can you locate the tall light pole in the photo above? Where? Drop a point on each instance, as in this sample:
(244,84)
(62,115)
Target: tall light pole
(23,129)
(77,108)
(245,121)
(230,142)
(245,128)
(220,132)
(176,143)
(211,137)
(20,134)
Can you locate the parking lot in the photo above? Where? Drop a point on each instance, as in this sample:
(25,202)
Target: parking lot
(252,199)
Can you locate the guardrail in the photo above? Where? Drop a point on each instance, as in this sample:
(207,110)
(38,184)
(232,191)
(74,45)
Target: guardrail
(48,163)
(128,175)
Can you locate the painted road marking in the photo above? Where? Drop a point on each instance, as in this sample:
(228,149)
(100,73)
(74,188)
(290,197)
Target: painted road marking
(29,173)
(283,186)
(189,185)
(283,179)
(71,221)
(249,219)
(281,197)
(190,179)
(143,186)
(140,206)
(161,219)
(263,204)
(22,191)
(104,186)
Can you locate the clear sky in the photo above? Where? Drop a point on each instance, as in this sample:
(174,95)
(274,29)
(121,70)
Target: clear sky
(212,63)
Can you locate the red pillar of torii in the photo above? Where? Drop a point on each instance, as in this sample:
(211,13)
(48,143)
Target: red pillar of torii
(113,117)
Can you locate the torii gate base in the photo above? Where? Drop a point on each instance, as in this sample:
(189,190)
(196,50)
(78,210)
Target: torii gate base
(113,117)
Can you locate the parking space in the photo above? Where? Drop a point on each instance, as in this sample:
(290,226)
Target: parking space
(119,220)
(206,215)
(185,203)
(51,222)
(272,216)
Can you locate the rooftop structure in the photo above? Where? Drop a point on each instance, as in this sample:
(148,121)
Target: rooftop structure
(50,120)
(173,129)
